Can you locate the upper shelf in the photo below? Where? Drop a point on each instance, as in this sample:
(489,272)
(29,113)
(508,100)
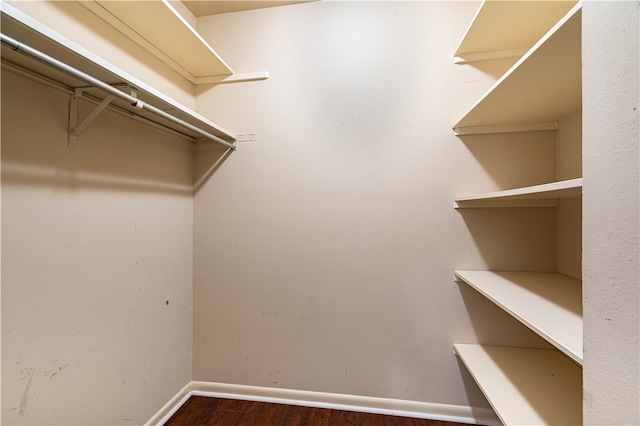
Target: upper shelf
(25,29)
(545,195)
(548,303)
(159,27)
(542,87)
(504,29)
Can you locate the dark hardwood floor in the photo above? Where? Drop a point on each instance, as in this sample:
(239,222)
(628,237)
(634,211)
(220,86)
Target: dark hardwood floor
(199,410)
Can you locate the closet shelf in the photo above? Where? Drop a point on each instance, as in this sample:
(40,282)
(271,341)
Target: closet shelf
(545,195)
(159,28)
(541,88)
(33,33)
(526,386)
(507,29)
(550,304)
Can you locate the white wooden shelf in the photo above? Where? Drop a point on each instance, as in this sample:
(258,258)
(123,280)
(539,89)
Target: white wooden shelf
(542,87)
(505,29)
(526,386)
(545,195)
(550,304)
(25,29)
(157,26)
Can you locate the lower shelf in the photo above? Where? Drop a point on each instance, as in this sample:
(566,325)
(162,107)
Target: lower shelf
(548,303)
(526,386)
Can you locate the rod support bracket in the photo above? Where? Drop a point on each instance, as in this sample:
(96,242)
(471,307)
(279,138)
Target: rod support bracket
(74,128)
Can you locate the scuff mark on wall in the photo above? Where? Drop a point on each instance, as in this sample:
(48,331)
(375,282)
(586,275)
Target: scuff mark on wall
(26,374)
(51,373)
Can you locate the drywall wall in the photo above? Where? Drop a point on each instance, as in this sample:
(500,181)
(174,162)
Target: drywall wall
(96,263)
(611,208)
(324,250)
(79,24)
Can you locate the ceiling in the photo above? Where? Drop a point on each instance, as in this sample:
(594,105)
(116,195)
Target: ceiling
(215,7)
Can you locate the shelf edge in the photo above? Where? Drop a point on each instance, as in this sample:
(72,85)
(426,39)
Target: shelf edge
(530,194)
(494,204)
(506,128)
(469,58)
(234,78)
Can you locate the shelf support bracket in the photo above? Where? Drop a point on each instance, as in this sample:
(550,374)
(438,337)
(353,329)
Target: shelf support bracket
(75,130)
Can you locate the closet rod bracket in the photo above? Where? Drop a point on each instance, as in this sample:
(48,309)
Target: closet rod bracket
(108,89)
(74,128)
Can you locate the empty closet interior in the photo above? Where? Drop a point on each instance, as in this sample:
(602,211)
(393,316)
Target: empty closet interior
(400,207)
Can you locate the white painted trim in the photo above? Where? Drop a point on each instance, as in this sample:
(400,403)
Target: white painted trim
(170,408)
(364,404)
(184,12)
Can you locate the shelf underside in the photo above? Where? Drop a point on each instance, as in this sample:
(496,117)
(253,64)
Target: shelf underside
(550,304)
(545,195)
(526,386)
(544,86)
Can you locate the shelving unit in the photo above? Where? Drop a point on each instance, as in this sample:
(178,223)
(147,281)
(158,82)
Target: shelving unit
(27,30)
(538,90)
(546,195)
(548,303)
(544,86)
(162,27)
(494,34)
(526,386)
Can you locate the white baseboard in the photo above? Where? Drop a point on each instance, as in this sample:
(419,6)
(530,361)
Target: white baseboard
(170,407)
(365,404)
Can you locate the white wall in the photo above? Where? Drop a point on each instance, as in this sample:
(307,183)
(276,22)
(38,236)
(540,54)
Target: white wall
(324,251)
(95,241)
(611,209)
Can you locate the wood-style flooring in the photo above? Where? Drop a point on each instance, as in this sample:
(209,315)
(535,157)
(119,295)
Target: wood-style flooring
(199,410)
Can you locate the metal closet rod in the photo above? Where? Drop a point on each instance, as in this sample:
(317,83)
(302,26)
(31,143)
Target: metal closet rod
(92,81)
